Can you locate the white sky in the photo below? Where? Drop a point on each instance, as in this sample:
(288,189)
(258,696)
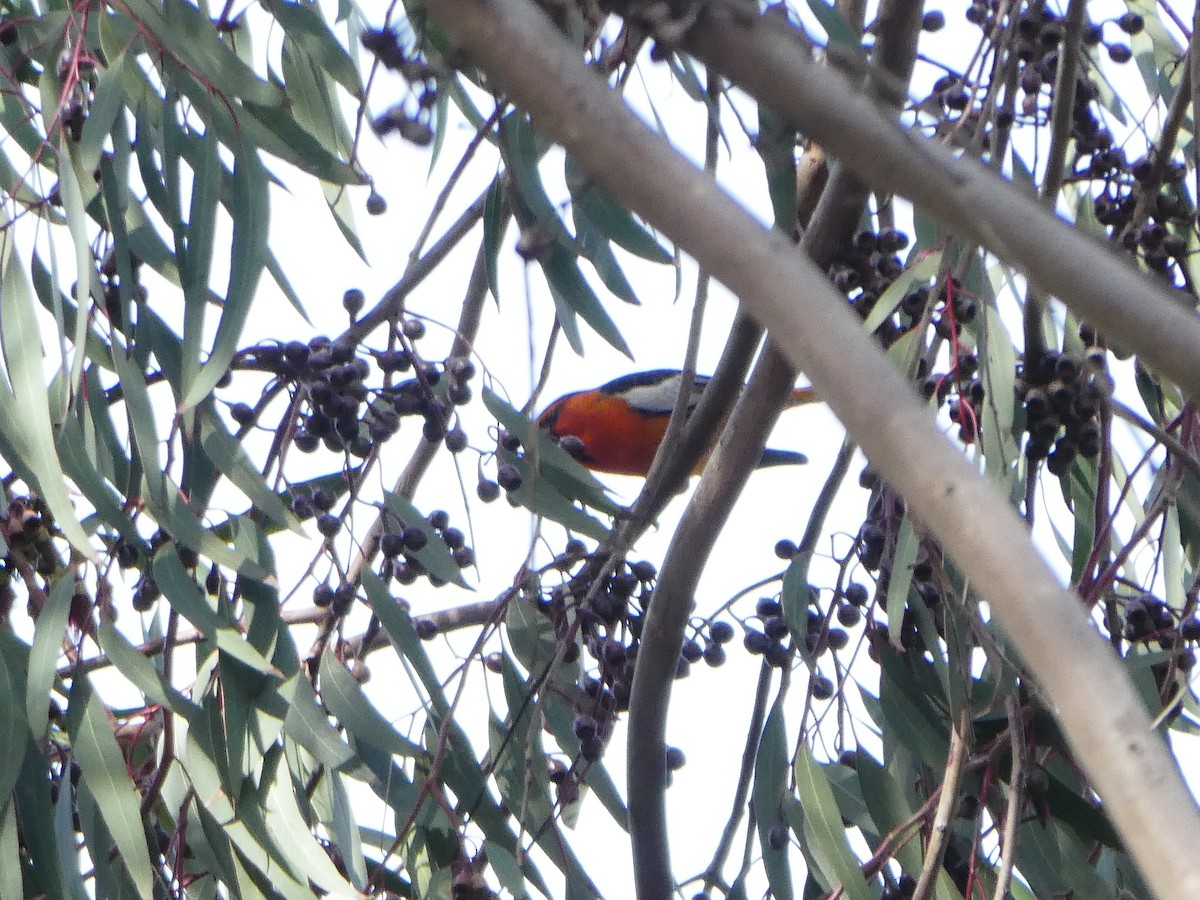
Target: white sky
(710,708)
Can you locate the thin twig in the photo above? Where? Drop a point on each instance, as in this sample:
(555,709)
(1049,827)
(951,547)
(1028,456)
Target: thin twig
(1016,797)
(945,808)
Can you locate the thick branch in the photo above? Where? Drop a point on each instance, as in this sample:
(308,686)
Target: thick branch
(767,60)
(533,64)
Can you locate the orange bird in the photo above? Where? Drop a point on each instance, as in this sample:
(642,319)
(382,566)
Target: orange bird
(621,424)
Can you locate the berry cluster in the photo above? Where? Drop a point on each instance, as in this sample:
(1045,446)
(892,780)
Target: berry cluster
(338,408)
(1062,398)
(866,267)
(604,619)
(1148,619)
(401,542)
(411,124)
(876,547)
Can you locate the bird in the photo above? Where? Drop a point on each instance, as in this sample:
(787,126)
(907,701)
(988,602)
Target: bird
(618,426)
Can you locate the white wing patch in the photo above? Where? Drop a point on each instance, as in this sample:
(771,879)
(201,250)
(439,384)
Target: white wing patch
(659,399)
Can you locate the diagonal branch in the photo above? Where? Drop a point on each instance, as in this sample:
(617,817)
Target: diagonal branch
(1113,740)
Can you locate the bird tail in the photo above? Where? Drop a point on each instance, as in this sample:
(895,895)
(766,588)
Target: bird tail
(781,458)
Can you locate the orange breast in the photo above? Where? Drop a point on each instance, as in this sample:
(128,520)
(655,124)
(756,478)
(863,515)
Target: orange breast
(616,438)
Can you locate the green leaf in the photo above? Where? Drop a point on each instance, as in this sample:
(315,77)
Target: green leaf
(140,671)
(507,869)
(95,749)
(163,496)
(839,31)
(24,407)
(345,700)
(345,831)
(194,254)
(902,576)
(776,146)
(770,787)
(304,25)
(108,103)
(889,300)
(251,215)
(14,736)
(294,837)
(36,814)
(824,830)
(573,295)
(591,205)
(583,484)
(494,222)
(187,35)
(543,497)
(230,457)
(186,598)
(308,725)
(85,268)
(398,625)
(10,853)
(905,708)
(64,834)
(43,656)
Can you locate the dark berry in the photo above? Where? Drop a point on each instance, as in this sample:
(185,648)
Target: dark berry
(433,430)
(343,599)
(302,506)
(821,688)
(509,477)
(934,20)
(352,302)
(756,642)
(376,205)
(1131,23)
(775,628)
(714,655)
(777,655)
(1119,53)
(691,650)
(487,490)
(415,539)
(306,441)
(722,632)
(127,555)
(414,329)
(456,440)
(675,759)
(777,837)
(329,525)
(767,607)
(439,519)
(426,629)
(322,595)
(242,413)
(786,549)
(322,499)
(391,544)
(573,445)
(453,537)
(394,361)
